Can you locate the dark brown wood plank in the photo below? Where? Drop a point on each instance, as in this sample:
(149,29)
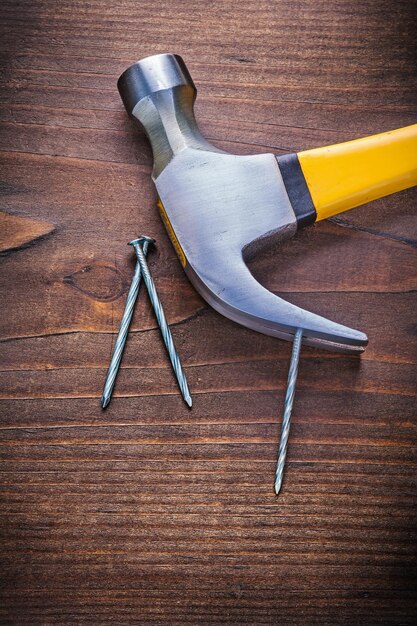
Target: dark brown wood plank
(150,513)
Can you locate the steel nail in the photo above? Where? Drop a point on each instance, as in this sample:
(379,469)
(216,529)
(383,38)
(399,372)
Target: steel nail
(289,399)
(122,334)
(160,316)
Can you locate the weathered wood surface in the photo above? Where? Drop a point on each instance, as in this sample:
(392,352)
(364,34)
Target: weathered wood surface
(150,513)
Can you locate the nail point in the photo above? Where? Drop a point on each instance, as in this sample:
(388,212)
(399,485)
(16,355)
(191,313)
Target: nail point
(278,486)
(189,401)
(105,401)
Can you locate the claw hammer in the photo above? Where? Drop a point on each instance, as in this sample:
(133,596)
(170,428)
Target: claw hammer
(220,208)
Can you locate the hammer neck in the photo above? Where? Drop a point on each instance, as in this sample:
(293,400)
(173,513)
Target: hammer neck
(168,119)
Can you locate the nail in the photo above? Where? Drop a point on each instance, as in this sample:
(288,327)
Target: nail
(289,400)
(160,316)
(122,335)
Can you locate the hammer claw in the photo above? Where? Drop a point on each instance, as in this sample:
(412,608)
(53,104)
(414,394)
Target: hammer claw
(241,298)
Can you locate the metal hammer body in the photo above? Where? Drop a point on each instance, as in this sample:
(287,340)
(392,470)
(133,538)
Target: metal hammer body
(221,208)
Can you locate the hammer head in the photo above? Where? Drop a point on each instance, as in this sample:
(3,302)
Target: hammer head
(220,208)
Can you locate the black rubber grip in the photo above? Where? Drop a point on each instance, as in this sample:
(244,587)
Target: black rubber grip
(297,189)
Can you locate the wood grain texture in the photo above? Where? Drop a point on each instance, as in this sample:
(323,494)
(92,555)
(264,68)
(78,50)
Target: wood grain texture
(149,513)
(17,231)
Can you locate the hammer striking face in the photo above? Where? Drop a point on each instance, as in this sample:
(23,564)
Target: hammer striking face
(220,208)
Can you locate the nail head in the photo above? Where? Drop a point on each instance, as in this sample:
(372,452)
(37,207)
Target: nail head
(142,239)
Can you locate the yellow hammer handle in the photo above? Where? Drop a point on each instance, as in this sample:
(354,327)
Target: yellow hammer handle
(345,175)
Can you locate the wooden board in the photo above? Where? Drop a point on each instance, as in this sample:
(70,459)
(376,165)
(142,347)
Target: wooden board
(149,513)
